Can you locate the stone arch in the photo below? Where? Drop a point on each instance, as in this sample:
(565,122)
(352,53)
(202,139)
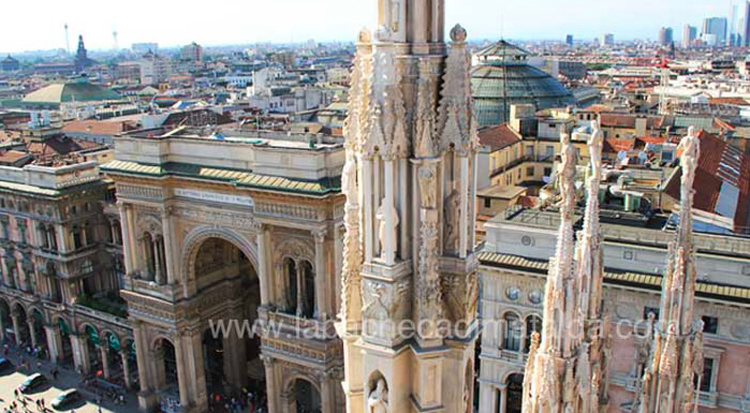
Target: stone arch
(150,224)
(33,308)
(18,305)
(289,382)
(508,375)
(156,340)
(372,381)
(197,236)
(81,328)
(295,249)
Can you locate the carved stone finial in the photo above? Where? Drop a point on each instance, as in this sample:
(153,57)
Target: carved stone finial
(365,35)
(458,33)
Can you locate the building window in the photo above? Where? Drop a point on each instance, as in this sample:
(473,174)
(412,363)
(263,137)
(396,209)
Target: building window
(549,151)
(649,310)
(530,171)
(710,324)
(77,238)
(519,173)
(6,227)
(547,172)
(488,202)
(533,325)
(530,150)
(512,339)
(706,379)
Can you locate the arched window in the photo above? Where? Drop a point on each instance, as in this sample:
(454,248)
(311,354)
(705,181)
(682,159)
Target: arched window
(148,247)
(77,237)
(533,324)
(308,286)
(512,338)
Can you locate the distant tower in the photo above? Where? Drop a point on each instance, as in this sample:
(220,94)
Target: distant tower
(82,59)
(114,40)
(67,40)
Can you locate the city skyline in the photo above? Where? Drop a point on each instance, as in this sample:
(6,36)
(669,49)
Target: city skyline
(173,27)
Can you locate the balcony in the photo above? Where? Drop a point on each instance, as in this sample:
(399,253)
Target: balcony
(109,303)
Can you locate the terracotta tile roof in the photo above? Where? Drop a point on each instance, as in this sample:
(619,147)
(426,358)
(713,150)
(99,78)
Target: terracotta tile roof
(527,201)
(613,145)
(12,156)
(95,127)
(59,146)
(737,101)
(722,181)
(620,120)
(498,137)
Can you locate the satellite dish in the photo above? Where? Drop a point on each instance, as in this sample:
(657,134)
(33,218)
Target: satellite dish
(622,155)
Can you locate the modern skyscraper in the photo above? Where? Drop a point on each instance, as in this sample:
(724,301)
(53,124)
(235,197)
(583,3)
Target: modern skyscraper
(716,26)
(732,40)
(688,36)
(607,39)
(744,27)
(569,40)
(666,36)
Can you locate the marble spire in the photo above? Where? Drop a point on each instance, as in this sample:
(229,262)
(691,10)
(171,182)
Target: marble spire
(566,371)
(676,354)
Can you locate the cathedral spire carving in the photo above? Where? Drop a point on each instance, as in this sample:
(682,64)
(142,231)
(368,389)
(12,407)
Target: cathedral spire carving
(675,358)
(566,371)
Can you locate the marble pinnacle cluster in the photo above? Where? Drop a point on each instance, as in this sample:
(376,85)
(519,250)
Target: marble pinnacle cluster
(567,370)
(675,357)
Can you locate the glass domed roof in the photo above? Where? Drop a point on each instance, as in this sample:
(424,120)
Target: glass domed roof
(504,77)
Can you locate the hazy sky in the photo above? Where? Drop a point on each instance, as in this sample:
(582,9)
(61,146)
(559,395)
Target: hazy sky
(35,25)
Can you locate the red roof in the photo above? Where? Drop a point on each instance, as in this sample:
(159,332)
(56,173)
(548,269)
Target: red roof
(96,127)
(613,145)
(719,165)
(498,137)
(737,101)
(622,120)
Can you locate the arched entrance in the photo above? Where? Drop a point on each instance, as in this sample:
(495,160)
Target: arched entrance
(66,353)
(92,343)
(24,338)
(6,323)
(514,398)
(112,351)
(40,334)
(165,368)
(303,397)
(231,356)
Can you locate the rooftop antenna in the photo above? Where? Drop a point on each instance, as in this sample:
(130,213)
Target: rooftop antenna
(67,39)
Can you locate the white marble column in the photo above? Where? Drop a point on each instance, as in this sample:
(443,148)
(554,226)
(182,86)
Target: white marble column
(389,211)
(127,250)
(16,327)
(105,360)
(54,343)
(156,247)
(141,356)
(263,265)
(321,296)
(168,240)
(271,390)
(473,204)
(403,209)
(326,402)
(32,332)
(197,369)
(182,369)
(367,205)
(464,221)
(300,291)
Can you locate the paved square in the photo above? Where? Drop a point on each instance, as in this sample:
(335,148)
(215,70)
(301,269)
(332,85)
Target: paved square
(67,379)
